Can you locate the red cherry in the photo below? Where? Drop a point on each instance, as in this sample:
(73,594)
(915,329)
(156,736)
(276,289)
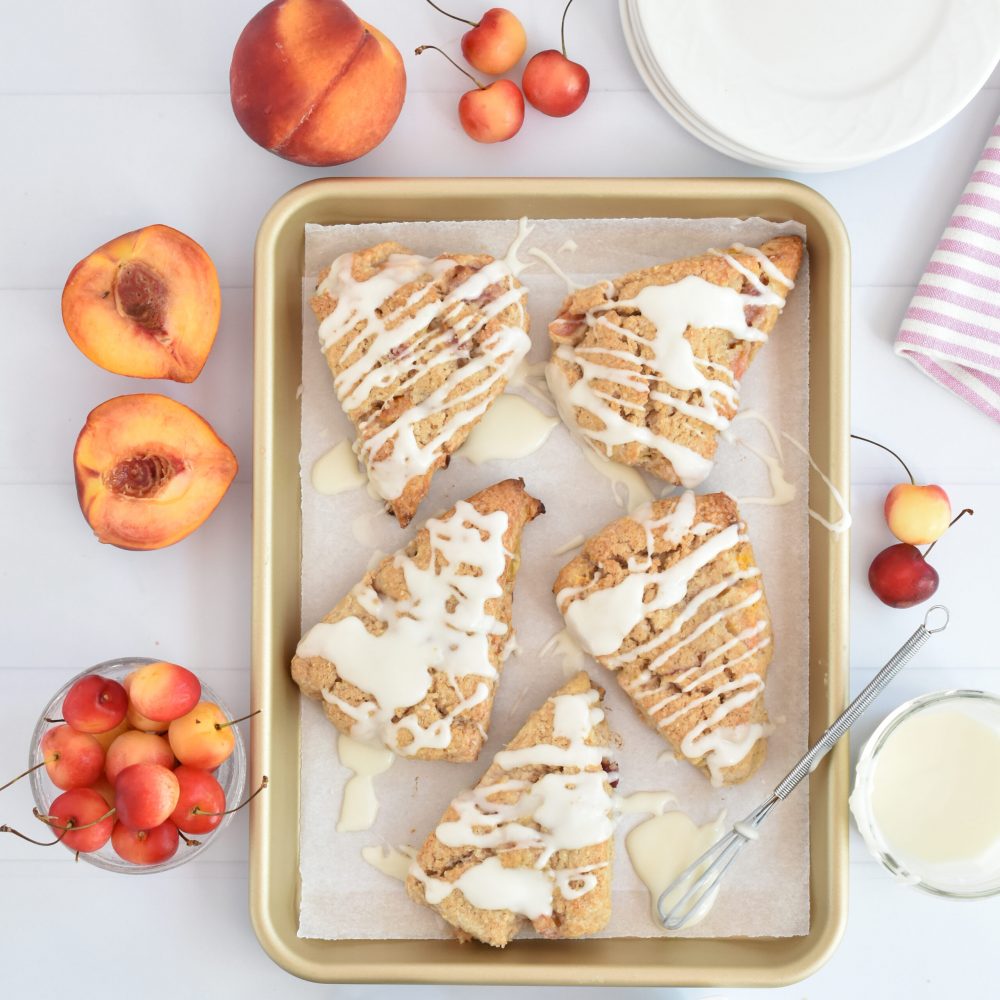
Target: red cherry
(901,577)
(555,85)
(95,704)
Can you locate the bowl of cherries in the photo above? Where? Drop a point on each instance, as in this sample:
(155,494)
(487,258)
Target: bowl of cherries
(135,766)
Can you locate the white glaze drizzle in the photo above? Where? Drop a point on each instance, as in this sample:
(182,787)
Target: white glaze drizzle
(567,809)
(512,428)
(601,619)
(571,285)
(443,626)
(510,258)
(843,523)
(567,649)
(336,471)
(628,487)
(379,351)
(660,848)
(359,804)
(392,861)
(670,363)
(782,491)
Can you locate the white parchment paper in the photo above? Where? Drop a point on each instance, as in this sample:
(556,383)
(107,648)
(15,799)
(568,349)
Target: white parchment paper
(767,893)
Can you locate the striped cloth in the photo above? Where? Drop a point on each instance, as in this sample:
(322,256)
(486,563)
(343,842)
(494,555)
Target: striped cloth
(952,328)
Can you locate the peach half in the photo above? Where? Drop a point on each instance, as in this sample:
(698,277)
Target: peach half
(313,83)
(149,471)
(146,304)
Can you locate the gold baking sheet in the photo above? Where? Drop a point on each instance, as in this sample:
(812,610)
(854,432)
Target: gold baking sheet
(278,264)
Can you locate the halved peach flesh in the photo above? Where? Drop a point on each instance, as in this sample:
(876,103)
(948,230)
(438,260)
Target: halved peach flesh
(149,470)
(146,304)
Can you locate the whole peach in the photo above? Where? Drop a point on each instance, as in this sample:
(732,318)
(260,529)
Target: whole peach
(313,83)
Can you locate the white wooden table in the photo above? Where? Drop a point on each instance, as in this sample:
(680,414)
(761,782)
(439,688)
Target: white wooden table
(114,115)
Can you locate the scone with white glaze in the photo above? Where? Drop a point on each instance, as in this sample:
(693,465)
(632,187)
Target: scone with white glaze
(412,656)
(646,368)
(671,600)
(419,349)
(532,843)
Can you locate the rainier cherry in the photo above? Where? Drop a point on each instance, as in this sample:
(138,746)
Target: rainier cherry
(135,747)
(491,113)
(145,847)
(554,84)
(81,807)
(145,795)
(95,704)
(72,759)
(495,43)
(202,801)
(162,692)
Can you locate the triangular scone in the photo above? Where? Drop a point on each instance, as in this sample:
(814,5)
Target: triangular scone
(411,657)
(533,841)
(419,349)
(671,600)
(646,368)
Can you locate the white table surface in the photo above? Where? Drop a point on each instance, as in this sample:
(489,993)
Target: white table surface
(114,115)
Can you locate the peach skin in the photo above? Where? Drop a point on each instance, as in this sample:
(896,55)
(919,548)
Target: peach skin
(312,82)
(149,471)
(146,304)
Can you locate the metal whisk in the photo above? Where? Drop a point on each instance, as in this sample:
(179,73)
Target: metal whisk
(700,880)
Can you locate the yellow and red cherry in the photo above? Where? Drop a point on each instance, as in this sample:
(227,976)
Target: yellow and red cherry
(145,847)
(490,113)
(203,738)
(81,808)
(901,577)
(496,42)
(552,82)
(95,704)
(917,514)
(162,692)
(202,801)
(145,795)
(136,747)
(72,759)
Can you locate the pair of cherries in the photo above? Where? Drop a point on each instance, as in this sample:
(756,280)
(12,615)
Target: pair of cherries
(552,83)
(900,575)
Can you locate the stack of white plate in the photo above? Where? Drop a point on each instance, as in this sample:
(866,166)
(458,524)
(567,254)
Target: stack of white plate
(807,86)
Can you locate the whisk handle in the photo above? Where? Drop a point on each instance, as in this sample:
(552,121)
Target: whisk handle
(856,709)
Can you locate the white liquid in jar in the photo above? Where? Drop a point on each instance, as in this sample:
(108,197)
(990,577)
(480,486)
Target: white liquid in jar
(930,796)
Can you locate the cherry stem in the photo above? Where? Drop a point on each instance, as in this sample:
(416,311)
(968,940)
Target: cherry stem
(190,841)
(423,48)
(31,840)
(232,722)
(957,517)
(454,17)
(47,820)
(47,719)
(858,437)
(562,27)
(201,812)
(23,774)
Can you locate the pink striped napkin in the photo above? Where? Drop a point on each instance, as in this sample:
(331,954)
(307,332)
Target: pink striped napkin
(952,328)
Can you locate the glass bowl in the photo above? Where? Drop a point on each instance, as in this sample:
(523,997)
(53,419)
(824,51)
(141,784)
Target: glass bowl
(980,705)
(231,774)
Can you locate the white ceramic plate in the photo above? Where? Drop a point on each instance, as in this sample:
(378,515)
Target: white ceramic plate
(815,87)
